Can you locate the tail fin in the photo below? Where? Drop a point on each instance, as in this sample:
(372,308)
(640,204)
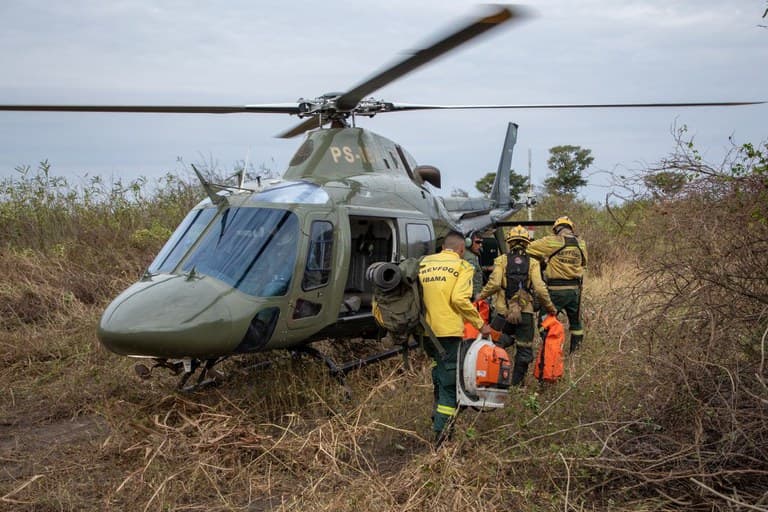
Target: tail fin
(500,190)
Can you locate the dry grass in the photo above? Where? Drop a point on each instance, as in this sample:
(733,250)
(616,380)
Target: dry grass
(664,408)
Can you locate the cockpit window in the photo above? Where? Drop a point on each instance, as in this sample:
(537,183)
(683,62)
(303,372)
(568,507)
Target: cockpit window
(251,249)
(181,240)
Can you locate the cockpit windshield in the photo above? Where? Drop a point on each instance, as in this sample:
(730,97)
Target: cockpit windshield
(182,239)
(251,249)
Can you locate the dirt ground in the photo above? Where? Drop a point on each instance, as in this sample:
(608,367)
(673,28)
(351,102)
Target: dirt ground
(27,443)
(96,437)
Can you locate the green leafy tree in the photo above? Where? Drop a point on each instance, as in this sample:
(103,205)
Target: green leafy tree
(567,164)
(485,184)
(518,184)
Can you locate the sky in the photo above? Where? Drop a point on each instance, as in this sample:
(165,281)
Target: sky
(246,52)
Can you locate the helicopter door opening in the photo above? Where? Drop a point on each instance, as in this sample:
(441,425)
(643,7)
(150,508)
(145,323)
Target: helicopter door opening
(372,240)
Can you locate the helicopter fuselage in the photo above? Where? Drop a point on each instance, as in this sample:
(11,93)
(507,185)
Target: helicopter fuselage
(282,264)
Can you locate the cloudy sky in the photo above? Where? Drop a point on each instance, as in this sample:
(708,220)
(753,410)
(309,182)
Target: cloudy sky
(245,52)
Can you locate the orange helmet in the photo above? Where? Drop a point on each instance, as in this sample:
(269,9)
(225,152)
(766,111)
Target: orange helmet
(562,221)
(518,233)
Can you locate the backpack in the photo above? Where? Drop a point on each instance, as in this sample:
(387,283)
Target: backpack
(517,291)
(548,365)
(518,264)
(396,304)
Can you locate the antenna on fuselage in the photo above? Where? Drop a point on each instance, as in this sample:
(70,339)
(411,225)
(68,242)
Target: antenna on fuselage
(209,188)
(241,174)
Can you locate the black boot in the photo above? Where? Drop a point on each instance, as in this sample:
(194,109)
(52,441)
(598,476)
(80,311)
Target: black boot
(575,342)
(518,373)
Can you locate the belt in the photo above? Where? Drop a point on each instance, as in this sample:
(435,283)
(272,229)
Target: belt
(564,282)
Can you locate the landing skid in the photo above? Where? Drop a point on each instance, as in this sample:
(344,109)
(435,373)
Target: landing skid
(340,371)
(186,368)
(208,375)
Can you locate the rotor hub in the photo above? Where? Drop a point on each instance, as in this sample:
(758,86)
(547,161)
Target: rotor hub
(327,107)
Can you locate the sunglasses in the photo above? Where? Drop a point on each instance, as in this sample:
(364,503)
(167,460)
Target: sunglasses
(480,242)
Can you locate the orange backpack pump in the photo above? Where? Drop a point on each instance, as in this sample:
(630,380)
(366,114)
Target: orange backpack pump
(484,372)
(548,366)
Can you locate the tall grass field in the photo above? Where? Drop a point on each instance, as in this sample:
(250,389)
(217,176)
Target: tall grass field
(664,408)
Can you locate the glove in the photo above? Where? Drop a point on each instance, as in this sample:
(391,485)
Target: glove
(551,310)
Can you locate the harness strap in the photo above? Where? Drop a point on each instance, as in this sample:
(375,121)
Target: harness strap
(570,241)
(435,342)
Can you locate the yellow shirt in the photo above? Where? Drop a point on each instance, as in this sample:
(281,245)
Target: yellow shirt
(568,264)
(497,285)
(446,282)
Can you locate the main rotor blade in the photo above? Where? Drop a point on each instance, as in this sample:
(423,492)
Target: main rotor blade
(350,99)
(308,124)
(404,107)
(275,108)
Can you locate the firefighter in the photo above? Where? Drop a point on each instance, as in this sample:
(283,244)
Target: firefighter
(515,280)
(564,258)
(446,281)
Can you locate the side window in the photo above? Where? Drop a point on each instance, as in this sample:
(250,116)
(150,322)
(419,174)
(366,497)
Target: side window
(318,268)
(418,238)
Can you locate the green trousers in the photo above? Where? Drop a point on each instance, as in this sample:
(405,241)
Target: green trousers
(444,382)
(568,300)
(521,336)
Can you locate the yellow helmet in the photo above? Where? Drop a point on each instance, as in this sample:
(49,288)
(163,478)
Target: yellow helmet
(517,233)
(562,221)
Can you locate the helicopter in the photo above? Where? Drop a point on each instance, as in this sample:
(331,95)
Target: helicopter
(280,263)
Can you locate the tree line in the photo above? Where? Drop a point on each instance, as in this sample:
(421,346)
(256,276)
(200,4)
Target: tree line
(566,165)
